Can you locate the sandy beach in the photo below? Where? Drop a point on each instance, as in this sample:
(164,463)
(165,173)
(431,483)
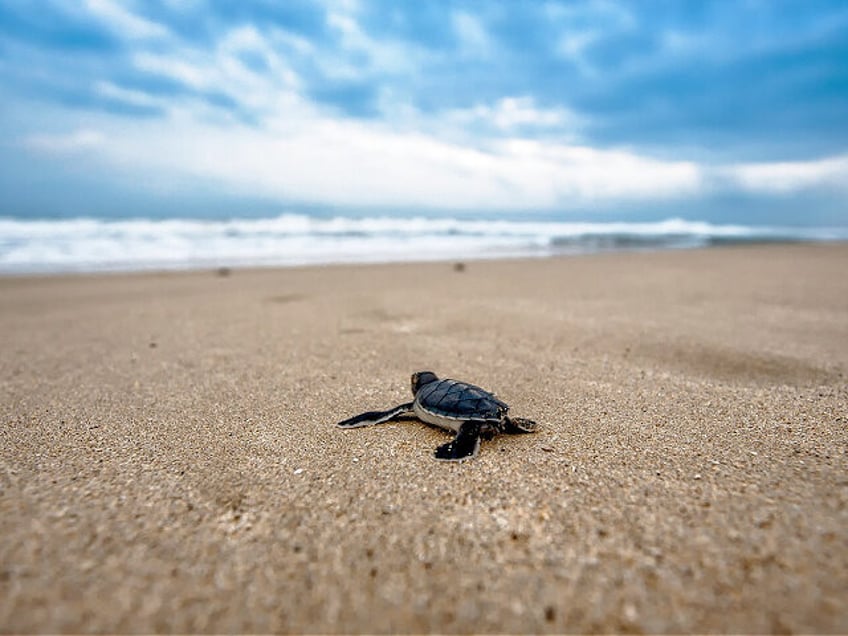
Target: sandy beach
(169,460)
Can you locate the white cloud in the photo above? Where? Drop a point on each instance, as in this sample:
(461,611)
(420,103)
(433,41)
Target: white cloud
(382,55)
(471,33)
(582,24)
(176,68)
(65,143)
(222,70)
(306,156)
(291,41)
(572,45)
(236,78)
(117,16)
(302,154)
(589,175)
(786,177)
(510,113)
(125,95)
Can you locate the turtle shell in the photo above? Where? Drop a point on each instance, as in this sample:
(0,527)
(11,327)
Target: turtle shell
(458,400)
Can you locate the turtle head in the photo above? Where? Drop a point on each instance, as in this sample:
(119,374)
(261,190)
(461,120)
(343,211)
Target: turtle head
(421,378)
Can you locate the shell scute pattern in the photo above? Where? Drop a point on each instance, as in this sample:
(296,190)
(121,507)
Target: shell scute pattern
(460,400)
(468,411)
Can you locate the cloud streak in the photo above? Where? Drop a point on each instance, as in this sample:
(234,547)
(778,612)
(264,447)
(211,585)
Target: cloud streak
(65,143)
(123,21)
(333,162)
(790,176)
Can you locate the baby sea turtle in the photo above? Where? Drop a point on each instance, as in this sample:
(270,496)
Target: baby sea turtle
(462,408)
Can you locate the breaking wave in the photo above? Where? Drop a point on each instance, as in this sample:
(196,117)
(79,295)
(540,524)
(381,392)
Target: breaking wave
(86,244)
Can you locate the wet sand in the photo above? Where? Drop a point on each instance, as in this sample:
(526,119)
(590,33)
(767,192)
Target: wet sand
(169,461)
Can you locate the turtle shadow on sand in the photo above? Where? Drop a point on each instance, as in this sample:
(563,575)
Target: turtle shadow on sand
(468,411)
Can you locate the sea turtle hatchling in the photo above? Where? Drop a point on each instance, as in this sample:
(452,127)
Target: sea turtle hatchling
(465,409)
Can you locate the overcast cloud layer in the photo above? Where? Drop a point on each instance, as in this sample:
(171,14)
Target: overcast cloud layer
(632,110)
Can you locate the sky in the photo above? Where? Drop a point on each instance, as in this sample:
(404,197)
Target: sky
(727,111)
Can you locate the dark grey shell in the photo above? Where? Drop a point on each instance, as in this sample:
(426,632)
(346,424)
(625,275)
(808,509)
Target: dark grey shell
(450,398)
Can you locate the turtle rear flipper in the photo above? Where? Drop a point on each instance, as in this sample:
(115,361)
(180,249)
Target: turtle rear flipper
(375,417)
(513,425)
(465,445)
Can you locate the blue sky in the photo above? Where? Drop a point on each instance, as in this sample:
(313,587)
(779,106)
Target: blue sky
(733,110)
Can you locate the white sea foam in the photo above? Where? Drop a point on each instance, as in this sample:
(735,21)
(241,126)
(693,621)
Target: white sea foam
(86,244)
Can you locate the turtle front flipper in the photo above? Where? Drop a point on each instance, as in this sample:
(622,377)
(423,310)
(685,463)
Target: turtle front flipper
(514,425)
(465,445)
(375,417)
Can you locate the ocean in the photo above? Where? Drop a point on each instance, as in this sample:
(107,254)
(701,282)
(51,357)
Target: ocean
(137,244)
